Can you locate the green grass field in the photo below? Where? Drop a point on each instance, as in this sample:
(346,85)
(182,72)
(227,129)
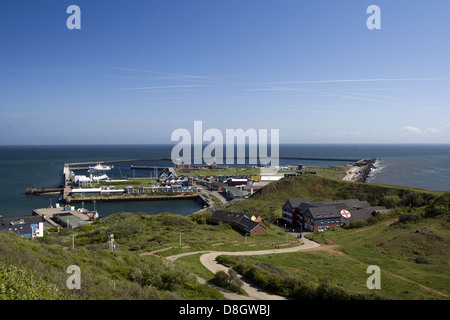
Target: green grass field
(194,264)
(140,232)
(330,172)
(244,171)
(414,265)
(136,182)
(268,201)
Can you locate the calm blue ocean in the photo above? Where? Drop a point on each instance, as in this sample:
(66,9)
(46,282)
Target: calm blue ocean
(21,167)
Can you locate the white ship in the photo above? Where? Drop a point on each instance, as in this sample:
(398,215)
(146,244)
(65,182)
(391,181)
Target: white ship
(99,167)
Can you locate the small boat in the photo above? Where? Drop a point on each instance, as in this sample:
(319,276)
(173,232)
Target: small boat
(92,215)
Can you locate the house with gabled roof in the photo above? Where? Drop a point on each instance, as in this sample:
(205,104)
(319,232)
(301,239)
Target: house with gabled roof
(27,226)
(323,215)
(241,221)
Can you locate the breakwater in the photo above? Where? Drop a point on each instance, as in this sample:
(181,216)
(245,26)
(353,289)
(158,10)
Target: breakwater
(365,170)
(36,192)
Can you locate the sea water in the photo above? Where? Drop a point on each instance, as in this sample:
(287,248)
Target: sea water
(21,167)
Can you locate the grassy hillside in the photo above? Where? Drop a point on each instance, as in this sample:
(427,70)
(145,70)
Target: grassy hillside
(268,201)
(413,253)
(36,268)
(31,269)
(140,233)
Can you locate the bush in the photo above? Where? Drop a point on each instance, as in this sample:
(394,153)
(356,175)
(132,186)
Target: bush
(436,211)
(123,225)
(356,224)
(220,278)
(228,281)
(17,284)
(177,220)
(200,217)
(421,260)
(407,217)
(391,201)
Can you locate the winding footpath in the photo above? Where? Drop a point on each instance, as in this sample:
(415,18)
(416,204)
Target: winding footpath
(208,259)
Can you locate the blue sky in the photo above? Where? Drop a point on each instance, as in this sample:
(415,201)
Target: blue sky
(137,70)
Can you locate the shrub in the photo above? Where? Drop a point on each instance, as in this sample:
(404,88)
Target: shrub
(200,217)
(177,220)
(421,260)
(123,225)
(407,217)
(391,201)
(436,211)
(356,224)
(439,206)
(228,281)
(17,284)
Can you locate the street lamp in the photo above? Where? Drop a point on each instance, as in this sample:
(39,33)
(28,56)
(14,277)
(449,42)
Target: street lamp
(111,241)
(73,241)
(180,238)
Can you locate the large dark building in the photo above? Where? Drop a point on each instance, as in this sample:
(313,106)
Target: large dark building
(323,215)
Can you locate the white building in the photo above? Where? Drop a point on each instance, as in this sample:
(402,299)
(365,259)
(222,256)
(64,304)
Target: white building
(28,226)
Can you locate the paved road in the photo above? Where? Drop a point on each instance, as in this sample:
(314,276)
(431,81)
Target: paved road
(208,259)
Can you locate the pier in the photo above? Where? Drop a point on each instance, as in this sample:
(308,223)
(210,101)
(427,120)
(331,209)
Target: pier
(61,217)
(36,192)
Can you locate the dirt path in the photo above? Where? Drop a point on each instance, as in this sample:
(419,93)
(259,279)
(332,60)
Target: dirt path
(156,251)
(208,259)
